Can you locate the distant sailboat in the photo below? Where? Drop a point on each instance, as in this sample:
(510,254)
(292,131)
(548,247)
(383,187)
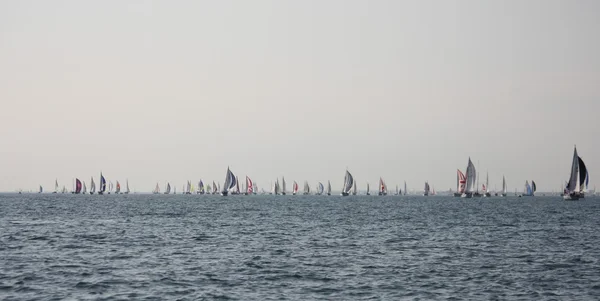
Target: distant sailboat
(102,185)
(230,182)
(426,190)
(529,190)
(573,190)
(348,184)
(84,189)
(77,186)
(504,188)
(55,186)
(486,187)
(156,189)
(92,186)
(461,182)
(320,188)
(368,189)
(126,186)
(583,178)
(249,186)
(110,187)
(167,188)
(471,177)
(328,191)
(294,188)
(354,192)
(382,187)
(200,187)
(118,188)
(41,189)
(306,188)
(283,186)
(405,191)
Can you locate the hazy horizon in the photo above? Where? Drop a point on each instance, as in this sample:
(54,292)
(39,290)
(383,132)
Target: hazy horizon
(404,90)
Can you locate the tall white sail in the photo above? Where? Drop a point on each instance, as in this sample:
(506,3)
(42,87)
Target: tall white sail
(230,182)
(283,186)
(92,186)
(471,177)
(348,183)
(504,188)
(328,191)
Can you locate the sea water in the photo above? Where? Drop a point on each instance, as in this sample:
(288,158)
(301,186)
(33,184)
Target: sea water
(195,247)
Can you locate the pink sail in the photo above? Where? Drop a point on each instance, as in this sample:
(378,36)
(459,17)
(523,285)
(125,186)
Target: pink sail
(462,181)
(250,187)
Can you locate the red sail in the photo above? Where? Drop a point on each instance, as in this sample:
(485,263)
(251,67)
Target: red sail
(77,186)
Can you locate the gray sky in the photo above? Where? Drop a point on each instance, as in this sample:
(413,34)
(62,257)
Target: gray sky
(407,90)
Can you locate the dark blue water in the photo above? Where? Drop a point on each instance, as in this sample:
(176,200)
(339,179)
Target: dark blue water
(297,248)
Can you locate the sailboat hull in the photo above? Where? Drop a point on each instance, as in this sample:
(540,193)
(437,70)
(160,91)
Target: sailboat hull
(457,194)
(344,194)
(224,193)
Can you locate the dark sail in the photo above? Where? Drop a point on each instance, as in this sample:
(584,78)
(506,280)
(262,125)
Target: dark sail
(77,186)
(533,185)
(582,173)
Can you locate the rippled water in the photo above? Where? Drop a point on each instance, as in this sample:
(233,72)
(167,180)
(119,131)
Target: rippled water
(304,247)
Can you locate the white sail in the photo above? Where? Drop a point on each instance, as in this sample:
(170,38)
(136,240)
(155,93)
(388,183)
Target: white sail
(56,186)
(92,186)
(504,188)
(348,183)
(405,188)
(84,190)
(283,185)
(471,177)
(368,188)
(328,191)
(127,186)
(306,188)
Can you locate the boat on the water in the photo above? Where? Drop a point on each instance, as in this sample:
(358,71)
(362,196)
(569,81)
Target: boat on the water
(306,188)
(92,186)
(529,190)
(504,188)
(471,177)
(102,185)
(118,191)
(55,186)
(320,188)
(461,182)
(230,182)
(348,184)
(167,188)
(572,191)
(294,188)
(328,191)
(382,187)
(426,189)
(486,187)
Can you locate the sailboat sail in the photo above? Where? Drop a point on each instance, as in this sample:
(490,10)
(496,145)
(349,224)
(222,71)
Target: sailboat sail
(320,188)
(41,189)
(102,184)
(368,188)
(471,177)
(282,185)
(533,187)
(348,183)
(230,182)
(77,186)
(249,185)
(92,186)
(582,174)
(461,181)
(573,189)
(405,188)
(56,186)
(426,190)
(168,188)
(84,189)
(127,186)
(118,188)
(294,188)
(328,188)
(306,188)
(504,189)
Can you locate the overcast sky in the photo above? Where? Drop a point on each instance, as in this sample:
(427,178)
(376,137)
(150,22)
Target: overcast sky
(407,90)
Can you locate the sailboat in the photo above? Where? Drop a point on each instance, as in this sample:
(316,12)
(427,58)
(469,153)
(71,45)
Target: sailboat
(167,188)
(354,192)
(573,190)
(471,177)
(237,186)
(84,189)
(55,186)
(126,186)
(294,188)
(426,189)
(118,188)
(110,187)
(486,187)
(504,188)
(230,182)
(461,182)
(215,189)
(92,186)
(102,185)
(200,187)
(382,187)
(282,186)
(41,189)
(405,191)
(156,189)
(64,189)
(328,191)
(320,188)
(348,184)
(249,186)
(368,189)
(77,186)
(306,188)
(529,190)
